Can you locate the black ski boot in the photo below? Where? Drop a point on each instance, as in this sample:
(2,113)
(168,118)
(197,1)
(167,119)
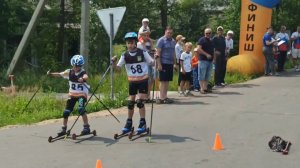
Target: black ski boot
(62,131)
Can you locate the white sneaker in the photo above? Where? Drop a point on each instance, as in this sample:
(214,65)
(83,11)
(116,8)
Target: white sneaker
(181,94)
(188,93)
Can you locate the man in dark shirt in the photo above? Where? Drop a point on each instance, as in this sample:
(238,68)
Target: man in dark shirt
(220,58)
(206,51)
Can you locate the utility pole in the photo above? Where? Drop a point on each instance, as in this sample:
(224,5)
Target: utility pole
(25,39)
(84,31)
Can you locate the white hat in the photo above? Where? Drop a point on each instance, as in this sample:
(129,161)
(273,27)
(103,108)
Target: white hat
(145,20)
(230,32)
(220,27)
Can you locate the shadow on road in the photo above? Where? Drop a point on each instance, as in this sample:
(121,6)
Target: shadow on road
(97,138)
(226,93)
(242,85)
(172,138)
(190,103)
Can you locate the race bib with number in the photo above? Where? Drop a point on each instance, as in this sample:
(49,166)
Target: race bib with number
(137,71)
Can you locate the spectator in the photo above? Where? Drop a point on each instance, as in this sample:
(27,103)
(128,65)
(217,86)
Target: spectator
(268,43)
(295,38)
(195,60)
(178,51)
(145,27)
(220,59)
(229,43)
(206,51)
(186,68)
(145,44)
(165,63)
(283,48)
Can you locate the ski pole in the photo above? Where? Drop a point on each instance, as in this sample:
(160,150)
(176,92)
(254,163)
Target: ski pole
(102,104)
(69,131)
(35,92)
(152,105)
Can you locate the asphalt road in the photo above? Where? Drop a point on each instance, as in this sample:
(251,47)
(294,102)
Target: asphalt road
(246,115)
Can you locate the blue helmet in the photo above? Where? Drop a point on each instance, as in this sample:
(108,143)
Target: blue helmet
(77,60)
(131,35)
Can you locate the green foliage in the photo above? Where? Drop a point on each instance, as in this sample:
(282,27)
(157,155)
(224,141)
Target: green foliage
(285,14)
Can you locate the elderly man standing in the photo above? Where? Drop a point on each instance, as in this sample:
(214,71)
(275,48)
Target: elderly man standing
(165,63)
(205,49)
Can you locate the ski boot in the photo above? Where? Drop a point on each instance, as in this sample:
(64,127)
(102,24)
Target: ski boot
(142,127)
(86,130)
(63,131)
(128,126)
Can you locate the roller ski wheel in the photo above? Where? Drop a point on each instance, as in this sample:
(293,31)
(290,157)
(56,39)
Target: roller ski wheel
(74,136)
(123,134)
(50,139)
(136,135)
(59,136)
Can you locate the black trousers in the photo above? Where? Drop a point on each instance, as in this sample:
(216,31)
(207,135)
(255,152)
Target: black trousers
(220,69)
(281,60)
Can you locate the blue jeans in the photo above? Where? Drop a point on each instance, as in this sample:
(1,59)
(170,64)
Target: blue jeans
(195,78)
(204,70)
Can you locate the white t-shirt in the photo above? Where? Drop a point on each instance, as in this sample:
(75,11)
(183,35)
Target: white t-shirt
(136,71)
(187,59)
(296,41)
(76,89)
(143,29)
(229,43)
(178,51)
(282,36)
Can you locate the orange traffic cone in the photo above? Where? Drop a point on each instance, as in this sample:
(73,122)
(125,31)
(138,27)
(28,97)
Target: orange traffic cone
(98,164)
(218,143)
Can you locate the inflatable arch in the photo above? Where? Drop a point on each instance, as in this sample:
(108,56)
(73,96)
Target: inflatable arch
(256,17)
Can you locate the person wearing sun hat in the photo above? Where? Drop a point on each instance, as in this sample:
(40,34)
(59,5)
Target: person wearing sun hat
(178,51)
(229,42)
(144,27)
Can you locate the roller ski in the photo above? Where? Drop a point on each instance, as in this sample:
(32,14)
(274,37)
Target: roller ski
(126,130)
(86,131)
(62,133)
(140,132)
